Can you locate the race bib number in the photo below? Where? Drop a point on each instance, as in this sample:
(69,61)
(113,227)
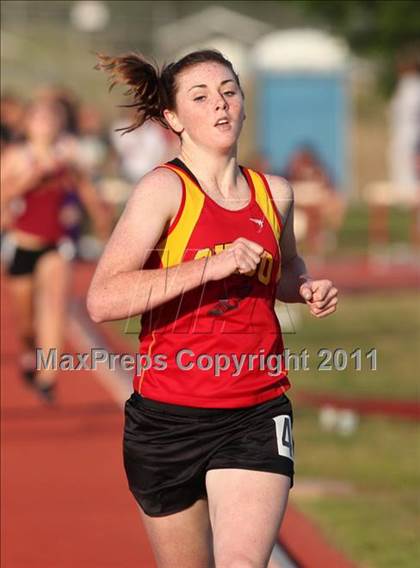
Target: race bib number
(284,436)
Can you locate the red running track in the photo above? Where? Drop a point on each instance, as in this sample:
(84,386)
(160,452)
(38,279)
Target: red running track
(65,502)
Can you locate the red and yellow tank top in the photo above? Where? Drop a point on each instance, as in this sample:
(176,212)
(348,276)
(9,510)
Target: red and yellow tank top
(220,344)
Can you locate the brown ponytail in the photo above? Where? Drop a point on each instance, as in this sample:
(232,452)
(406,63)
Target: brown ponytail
(142,77)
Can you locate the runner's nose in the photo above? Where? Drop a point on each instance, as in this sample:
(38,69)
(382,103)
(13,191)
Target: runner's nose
(221,103)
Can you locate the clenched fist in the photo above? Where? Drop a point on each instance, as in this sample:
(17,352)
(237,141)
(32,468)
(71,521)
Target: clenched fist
(321,297)
(241,256)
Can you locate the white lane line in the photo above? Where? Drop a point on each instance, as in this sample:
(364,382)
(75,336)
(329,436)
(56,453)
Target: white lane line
(83,337)
(280,559)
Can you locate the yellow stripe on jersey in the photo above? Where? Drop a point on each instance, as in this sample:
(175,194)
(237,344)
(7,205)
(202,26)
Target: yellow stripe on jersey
(149,354)
(173,246)
(265,202)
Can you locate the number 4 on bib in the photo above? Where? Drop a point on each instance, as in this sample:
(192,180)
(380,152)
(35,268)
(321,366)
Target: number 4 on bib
(284,436)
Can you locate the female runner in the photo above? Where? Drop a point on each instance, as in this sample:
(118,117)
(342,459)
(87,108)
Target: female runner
(40,192)
(201,251)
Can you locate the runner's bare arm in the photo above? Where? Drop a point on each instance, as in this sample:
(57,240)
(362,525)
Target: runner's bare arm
(121,288)
(17,174)
(295,284)
(293,268)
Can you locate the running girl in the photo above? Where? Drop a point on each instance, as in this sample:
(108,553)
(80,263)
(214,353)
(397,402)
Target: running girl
(201,251)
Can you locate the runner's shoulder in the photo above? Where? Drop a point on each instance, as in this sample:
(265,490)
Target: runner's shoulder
(280,187)
(282,193)
(160,186)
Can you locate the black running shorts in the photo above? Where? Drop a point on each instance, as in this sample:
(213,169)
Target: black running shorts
(169,448)
(24,260)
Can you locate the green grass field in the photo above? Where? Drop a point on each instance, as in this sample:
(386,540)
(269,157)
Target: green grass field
(386,322)
(378,523)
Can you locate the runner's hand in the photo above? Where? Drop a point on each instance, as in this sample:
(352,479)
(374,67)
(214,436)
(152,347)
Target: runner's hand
(241,256)
(321,297)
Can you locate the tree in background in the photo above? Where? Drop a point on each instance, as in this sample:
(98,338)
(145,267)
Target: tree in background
(381,29)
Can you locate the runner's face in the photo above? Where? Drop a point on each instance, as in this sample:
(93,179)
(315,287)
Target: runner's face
(209,106)
(43,123)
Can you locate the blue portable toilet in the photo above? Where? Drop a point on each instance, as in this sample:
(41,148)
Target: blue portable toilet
(303,99)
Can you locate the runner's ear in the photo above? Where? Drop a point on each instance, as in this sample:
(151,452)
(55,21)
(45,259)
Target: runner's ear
(173,121)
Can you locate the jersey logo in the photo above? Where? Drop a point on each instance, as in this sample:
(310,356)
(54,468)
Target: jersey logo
(233,299)
(259,222)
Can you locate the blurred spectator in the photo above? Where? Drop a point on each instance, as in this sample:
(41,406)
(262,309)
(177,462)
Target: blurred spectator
(315,190)
(259,162)
(405,127)
(11,114)
(94,144)
(141,150)
(305,165)
(319,207)
(66,99)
